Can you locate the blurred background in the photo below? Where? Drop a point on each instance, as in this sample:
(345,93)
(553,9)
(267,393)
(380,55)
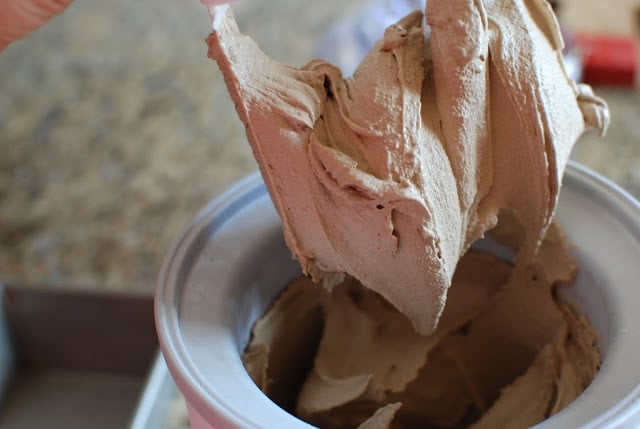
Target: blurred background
(115,129)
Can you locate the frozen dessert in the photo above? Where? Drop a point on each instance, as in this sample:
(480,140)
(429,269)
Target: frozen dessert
(390,175)
(383,181)
(505,354)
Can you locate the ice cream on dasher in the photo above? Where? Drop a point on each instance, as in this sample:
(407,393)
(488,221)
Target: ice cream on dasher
(390,175)
(384,180)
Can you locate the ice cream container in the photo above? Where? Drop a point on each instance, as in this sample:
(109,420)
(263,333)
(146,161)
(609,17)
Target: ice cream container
(230,261)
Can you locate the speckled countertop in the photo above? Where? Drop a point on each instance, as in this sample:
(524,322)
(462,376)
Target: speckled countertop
(115,129)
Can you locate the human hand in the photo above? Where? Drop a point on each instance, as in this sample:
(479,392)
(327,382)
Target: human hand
(20,17)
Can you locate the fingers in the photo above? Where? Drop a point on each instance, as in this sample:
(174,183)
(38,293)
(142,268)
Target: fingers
(20,17)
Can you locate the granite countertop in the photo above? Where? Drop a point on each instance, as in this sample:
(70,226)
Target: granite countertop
(115,129)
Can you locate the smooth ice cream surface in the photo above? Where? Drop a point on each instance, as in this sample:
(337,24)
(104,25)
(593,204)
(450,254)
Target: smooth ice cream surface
(385,179)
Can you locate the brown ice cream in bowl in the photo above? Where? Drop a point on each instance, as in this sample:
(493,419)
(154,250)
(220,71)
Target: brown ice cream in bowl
(448,282)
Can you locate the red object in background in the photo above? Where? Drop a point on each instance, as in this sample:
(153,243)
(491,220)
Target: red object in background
(608,60)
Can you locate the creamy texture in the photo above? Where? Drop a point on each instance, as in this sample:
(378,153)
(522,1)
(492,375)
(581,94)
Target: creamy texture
(390,175)
(506,353)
